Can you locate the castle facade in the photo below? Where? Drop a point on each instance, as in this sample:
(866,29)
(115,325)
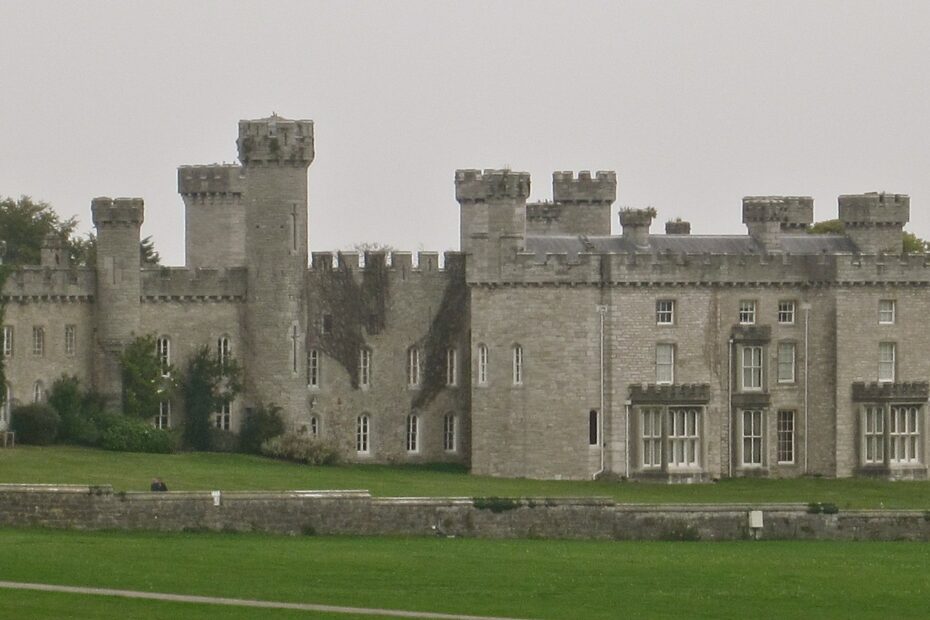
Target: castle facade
(545,348)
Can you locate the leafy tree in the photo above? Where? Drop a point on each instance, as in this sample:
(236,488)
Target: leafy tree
(208,383)
(260,425)
(145,382)
(24,224)
(914,244)
(85,251)
(826,227)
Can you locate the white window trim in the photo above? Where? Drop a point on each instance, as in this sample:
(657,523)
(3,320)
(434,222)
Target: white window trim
(363,434)
(163,417)
(663,313)
(904,445)
(747,312)
(743,367)
(413,367)
(364,368)
(38,340)
(786,414)
(223,417)
(892,309)
(752,437)
(790,309)
(450,438)
(413,433)
(452,367)
(685,439)
(792,346)
(483,361)
(670,347)
(163,350)
(874,414)
(653,439)
(8,338)
(518,369)
(313,368)
(886,364)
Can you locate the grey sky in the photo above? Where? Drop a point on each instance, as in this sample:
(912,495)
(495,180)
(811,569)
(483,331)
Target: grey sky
(694,104)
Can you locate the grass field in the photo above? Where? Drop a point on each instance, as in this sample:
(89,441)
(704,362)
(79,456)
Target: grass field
(205,471)
(539,579)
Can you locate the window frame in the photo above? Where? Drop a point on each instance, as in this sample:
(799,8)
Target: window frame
(747,312)
(163,417)
(752,368)
(70,339)
(38,391)
(669,364)
(413,434)
(518,361)
(787,312)
(452,367)
(8,340)
(413,367)
(683,439)
(756,439)
(313,427)
(594,428)
(665,315)
(313,368)
(364,368)
(163,352)
(483,359)
(873,435)
(887,368)
(363,434)
(449,433)
(781,364)
(223,350)
(785,436)
(223,418)
(38,340)
(904,447)
(887,311)
(650,436)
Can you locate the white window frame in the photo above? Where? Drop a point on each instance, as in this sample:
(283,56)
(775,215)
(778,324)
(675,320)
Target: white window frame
(313,367)
(223,417)
(786,363)
(650,431)
(163,351)
(684,437)
(752,369)
(517,364)
(223,351)
(451,367)
(413,367)
(449,434)
(753,438)
(163,417)
(665,363)
(363,434)
(70,339)
(8,334)
(38,392)
(665,312)
(904,435)
(38,340)
(786,312)
(413,433)
(887,358)
(364,367)
(785,437)
(483,357)
(314,426)
(747,312)
(873,435)
(887,311)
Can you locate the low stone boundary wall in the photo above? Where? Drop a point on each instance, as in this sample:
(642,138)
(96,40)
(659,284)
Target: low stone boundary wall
(358,513)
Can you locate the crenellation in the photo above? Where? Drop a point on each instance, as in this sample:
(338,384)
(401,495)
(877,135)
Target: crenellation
(203,180)
(489,185)
(567,188)
(117,211)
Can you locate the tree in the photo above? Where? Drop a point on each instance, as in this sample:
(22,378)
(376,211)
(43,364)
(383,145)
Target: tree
(86,251)
(145,382)
(25,223)
(209,382)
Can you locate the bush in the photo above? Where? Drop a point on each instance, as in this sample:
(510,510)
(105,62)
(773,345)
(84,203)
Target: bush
(260,425)
(35,424)
(223,441)
(77,410)
(125,434)
(300,448)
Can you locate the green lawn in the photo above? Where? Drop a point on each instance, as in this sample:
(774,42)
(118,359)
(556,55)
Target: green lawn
(206,471)
(540,579)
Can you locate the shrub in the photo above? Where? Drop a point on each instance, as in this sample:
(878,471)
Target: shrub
(35,424)
(125,434)
(495,504)
(258,426)
(300,448)
(223,441)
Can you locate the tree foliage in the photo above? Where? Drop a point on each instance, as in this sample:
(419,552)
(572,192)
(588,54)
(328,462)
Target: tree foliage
(208,383)
(144,384)
(24,224)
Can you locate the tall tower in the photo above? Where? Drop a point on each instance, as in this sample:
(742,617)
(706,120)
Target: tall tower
(275,155)
(119,288)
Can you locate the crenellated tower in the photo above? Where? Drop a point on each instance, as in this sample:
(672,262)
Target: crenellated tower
(275,155)
(214,215)
(766,217)
(585,201)
(493,218)
(875,221)
(118,222)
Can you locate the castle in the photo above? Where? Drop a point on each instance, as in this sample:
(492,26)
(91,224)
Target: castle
(545,348)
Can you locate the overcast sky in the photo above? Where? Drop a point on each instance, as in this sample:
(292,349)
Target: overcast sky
(693,104)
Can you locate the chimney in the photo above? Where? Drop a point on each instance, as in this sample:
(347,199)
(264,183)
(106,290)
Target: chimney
(677,227)
(635,224)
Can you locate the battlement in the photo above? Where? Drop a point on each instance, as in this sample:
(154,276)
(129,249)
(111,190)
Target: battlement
(874,209)
(212,179)
(791,212)
(394,261)
(602,188)
(44,283)
(276,140)
(478,186)
(118,211)
(181,283)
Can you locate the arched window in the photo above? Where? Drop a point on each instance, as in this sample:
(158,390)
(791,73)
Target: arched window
(223,351)
(362,429)
(413,433)
(313,368)
(364,367)
(517,364)
(413,367)
(449,424)
(314,427)
(482,364)
(163,350)
(451,367)
(224,416)
(38,392)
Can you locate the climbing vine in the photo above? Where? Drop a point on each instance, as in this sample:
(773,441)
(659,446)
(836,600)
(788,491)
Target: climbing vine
(208,383)
(448,325)
(353,307)
(5,271)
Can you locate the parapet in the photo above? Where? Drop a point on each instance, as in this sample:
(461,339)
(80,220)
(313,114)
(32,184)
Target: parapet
(600,189)
(478,186)
(183,284)
(791,212)
(215,179)
(276,140)
(874,209)
(118,211)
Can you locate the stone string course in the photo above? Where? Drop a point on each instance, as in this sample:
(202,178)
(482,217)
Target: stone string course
(358,513)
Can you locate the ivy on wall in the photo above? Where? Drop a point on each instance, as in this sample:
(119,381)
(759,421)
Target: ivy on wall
(353,307)
(5,271)
(447,327)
